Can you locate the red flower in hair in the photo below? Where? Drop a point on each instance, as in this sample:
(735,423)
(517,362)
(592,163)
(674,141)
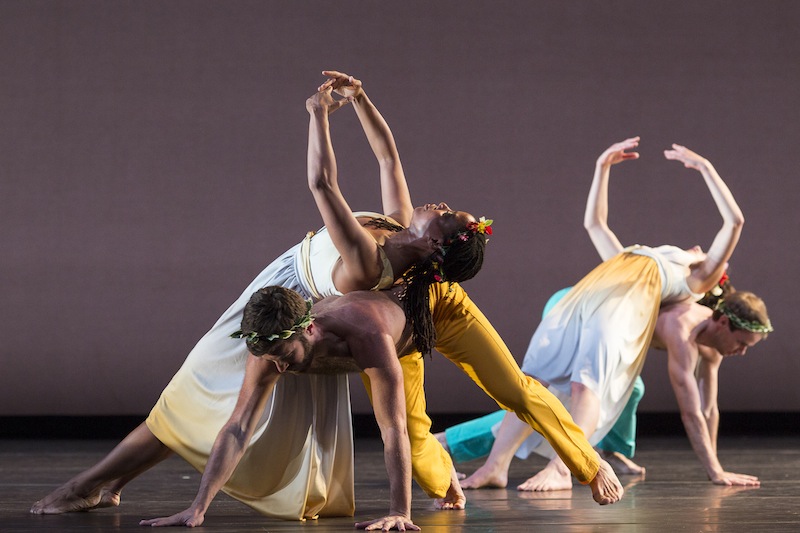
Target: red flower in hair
(481,226)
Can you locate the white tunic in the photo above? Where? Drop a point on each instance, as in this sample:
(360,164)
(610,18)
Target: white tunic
(299,463)
(599,333)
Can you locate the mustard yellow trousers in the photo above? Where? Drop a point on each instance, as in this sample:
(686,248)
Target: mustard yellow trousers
(466,338)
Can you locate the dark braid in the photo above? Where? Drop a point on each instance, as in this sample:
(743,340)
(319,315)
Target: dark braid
(463,259)
(382,223)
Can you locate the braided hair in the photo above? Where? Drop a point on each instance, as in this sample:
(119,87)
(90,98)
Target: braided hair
(462,260)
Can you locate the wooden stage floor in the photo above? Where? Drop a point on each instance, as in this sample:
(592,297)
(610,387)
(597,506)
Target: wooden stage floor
(674,497)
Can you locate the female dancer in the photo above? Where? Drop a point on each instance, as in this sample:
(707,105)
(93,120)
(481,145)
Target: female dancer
(437,244)
(354,251)
(590,348)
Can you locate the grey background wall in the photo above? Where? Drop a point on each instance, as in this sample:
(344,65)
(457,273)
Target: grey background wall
(152,161)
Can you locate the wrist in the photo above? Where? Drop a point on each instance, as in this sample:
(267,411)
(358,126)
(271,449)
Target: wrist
(319,117)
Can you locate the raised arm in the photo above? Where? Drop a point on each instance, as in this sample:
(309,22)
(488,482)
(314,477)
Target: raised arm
(682,360)
(356,246)
(259,380)
(707,273)
(595,219)
(394,189)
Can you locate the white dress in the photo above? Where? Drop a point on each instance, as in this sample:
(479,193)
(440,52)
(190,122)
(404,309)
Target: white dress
(299,463)
(599,333)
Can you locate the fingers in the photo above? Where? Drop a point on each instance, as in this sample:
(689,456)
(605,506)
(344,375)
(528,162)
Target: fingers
(745,480)
(338,80)
(334,74)
(388,524)
(740,480)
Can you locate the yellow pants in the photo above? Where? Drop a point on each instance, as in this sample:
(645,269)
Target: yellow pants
(466,338)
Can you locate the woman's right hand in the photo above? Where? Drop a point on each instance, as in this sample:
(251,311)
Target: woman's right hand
(323,101)
(616,152)
(689,158)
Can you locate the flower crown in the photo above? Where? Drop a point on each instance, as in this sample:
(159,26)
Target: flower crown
(300,324)
(740,323)
(481,226)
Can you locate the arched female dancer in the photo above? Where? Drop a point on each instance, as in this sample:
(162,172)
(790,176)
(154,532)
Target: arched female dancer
(352,252)
(590,348)
(201,397)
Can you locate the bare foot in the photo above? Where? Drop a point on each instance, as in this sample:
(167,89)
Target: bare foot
(606,487)
(549,478)
(67,499)
(108,498)
(454,500)
(621,464)
(486,476)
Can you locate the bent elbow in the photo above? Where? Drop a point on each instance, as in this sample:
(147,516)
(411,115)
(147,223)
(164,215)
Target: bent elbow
(319,183)
(590,225)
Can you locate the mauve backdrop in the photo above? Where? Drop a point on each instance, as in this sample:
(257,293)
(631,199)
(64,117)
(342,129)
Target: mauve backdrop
(152,161)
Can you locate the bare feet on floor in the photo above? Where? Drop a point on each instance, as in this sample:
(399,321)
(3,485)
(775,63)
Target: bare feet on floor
(486,476)
(621,464)
(67,499)
(606,487)
(549,478)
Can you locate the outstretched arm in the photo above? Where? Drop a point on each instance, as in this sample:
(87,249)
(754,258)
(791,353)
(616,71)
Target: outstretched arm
(682,356)
(259,380)
(595,219)
(707,273)
(394,189)
(376,354)
(359,252)
(708,383)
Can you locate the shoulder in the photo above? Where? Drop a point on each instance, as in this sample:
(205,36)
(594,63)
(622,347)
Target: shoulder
(675,316)
(676,323)
(365,312)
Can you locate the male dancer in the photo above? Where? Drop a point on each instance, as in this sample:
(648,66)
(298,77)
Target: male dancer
(358,331)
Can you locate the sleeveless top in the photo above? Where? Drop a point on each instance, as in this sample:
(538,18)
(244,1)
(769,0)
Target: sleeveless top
(673,265)
(318,257)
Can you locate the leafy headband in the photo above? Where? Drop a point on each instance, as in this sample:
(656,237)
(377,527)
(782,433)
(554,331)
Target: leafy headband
(740,323)
(300,324)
